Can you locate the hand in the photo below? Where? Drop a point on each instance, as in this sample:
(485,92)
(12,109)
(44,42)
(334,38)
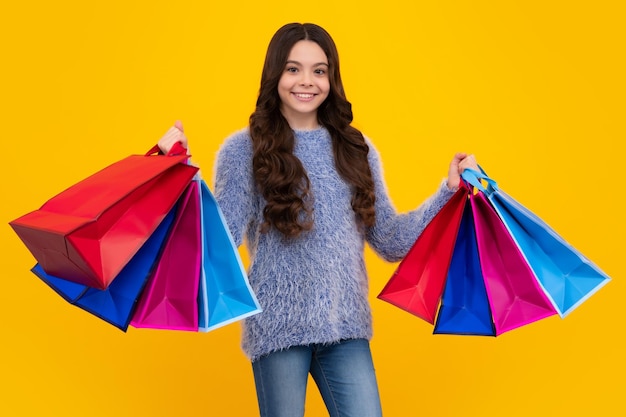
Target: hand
(460,162)
(173,135)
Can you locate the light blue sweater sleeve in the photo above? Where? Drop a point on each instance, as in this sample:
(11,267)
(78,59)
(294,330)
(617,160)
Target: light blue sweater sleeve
(234,184)
(394,233)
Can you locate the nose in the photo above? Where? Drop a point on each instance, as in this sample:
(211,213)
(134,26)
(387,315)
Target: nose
(306,80)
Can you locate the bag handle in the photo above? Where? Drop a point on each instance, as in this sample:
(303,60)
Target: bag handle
(176,149)
(474,178)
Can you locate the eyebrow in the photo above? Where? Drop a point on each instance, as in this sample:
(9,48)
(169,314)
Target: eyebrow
(315,65)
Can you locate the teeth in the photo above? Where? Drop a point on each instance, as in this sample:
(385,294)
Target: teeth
(304,95)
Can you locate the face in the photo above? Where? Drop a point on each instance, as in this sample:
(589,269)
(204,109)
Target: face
(304,85)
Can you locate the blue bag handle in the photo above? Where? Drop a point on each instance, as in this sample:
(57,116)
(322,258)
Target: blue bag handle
(473,178)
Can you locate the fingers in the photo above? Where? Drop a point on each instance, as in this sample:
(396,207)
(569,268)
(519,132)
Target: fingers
(460,163)
(459,156)
(469,161)
(174,134)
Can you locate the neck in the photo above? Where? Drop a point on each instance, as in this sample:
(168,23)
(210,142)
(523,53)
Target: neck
(302,122)
(305,127)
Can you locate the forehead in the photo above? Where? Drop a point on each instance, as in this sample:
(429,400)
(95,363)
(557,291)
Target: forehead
(307,52)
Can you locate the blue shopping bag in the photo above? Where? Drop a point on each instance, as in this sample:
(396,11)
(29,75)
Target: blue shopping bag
(567,277)
(116,303)
(225,294)
(464,308)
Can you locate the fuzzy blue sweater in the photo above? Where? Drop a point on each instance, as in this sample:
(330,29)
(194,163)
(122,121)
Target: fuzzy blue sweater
(313,288)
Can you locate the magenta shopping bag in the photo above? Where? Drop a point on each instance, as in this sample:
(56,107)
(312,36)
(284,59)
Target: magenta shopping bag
(170,298)
(515,297)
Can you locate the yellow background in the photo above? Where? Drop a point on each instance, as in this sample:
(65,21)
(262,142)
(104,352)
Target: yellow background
(534,88)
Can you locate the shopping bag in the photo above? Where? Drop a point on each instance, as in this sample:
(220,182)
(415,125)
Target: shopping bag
(170,298)
(225,293)
(515,297)
(417,284)
(90,231)
(117,302)
(464,305)
(566,275)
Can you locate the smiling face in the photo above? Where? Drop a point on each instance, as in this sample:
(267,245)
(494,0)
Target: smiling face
(304,85)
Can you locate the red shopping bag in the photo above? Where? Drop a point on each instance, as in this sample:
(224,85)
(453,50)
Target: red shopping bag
(89,232)
(170,298)
(418,282)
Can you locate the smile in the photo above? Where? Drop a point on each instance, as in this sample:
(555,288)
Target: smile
(304,96)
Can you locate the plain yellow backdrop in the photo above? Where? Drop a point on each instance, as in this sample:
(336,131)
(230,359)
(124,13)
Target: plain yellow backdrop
(534,88)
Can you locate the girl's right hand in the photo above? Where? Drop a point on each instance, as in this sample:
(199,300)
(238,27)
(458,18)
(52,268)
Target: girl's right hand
(460,163)
(173,135)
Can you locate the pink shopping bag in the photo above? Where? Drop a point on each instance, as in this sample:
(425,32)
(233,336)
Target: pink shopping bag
(170,299)
(515,297)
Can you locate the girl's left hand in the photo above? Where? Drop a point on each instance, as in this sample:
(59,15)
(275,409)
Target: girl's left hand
(460,162)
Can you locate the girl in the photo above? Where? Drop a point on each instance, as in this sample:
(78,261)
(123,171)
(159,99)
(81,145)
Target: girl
(306,191)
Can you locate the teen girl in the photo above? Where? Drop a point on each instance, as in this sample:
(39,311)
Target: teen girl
(305,190)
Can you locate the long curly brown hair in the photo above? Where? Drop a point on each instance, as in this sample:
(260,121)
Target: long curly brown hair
(278,173)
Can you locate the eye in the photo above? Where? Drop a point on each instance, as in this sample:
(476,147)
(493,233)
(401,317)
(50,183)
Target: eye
(291,69)
(320,71)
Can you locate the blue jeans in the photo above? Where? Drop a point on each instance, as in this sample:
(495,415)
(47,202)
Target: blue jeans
(344,374)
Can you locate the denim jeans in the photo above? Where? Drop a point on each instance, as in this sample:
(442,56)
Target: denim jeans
(344,374)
